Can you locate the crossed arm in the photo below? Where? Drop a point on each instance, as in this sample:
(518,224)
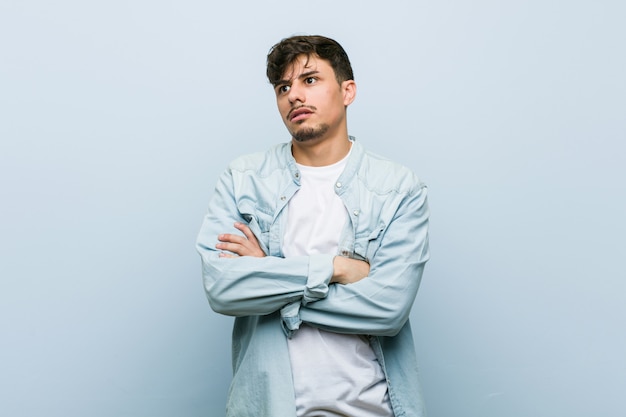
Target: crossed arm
(240,280)
(345,270)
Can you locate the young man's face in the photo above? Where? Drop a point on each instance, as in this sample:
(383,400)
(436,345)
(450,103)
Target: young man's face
(311,102)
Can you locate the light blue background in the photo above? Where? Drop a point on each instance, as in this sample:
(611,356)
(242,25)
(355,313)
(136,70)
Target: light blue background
(116,118)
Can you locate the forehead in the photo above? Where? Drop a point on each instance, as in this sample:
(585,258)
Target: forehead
(304,64)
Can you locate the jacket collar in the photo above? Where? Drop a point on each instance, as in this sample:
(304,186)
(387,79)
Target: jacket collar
(352,165)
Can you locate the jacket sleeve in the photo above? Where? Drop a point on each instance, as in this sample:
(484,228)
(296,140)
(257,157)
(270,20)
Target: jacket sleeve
(380,303)
(248,285)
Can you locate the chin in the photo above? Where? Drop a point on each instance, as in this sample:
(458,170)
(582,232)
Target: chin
(307,134)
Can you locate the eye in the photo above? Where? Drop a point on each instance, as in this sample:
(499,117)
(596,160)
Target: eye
(310,80)
(282,89)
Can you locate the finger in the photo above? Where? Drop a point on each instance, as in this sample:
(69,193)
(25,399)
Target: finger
(227,255)
(230,247)
(227,237)
(246,231)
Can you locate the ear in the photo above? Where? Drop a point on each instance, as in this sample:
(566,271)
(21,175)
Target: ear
(348,89)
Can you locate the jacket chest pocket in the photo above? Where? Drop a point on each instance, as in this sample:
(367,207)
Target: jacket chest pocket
(367,243)
(259,222)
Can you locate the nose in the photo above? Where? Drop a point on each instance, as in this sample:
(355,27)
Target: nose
(296,94)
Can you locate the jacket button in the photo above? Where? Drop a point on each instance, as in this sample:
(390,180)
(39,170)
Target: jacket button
(338,185)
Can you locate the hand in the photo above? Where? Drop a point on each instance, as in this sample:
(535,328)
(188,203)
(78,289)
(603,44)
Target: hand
(239,245)
(349,271)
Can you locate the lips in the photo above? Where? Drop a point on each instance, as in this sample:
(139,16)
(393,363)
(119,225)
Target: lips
(299,114)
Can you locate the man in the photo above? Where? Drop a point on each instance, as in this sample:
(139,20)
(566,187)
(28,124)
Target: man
(317,247)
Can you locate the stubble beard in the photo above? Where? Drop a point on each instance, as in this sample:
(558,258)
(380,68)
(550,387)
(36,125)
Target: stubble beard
(310,133)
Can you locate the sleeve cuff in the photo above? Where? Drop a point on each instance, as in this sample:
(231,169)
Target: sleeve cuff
(290,318)
(320,273)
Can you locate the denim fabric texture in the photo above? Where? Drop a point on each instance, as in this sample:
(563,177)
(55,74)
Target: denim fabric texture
(271,296)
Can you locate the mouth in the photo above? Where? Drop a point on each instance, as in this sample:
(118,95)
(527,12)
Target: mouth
(299,113)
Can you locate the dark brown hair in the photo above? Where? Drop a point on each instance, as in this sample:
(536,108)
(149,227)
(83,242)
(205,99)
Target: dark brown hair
(288,50)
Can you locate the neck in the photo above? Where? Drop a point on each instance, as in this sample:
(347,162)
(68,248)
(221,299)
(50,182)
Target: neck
(321,152)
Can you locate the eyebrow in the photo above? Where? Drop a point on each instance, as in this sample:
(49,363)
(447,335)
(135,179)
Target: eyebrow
(301,76)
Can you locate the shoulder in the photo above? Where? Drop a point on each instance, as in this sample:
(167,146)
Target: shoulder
(267,161)
(383,175)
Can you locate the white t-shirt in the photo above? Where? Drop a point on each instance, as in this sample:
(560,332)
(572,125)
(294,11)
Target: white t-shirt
(334,374)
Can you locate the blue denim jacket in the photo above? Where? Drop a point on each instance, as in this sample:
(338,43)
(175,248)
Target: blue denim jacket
(271,296)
